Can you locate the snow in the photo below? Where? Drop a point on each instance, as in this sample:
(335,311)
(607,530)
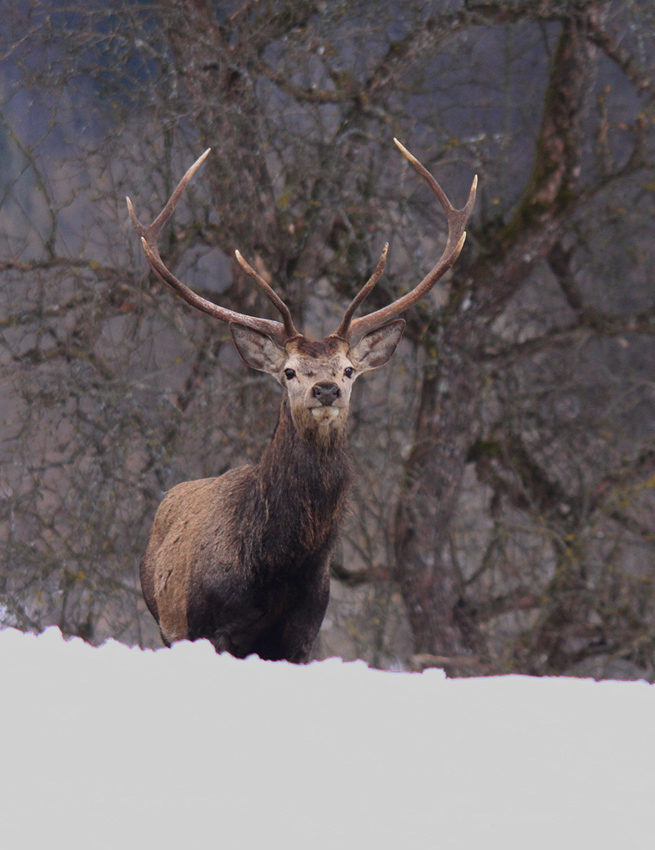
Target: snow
(118,747)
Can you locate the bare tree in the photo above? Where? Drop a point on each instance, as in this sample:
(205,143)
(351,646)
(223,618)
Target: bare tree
(502,520)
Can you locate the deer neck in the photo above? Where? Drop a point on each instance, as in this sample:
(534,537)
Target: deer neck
(304,476)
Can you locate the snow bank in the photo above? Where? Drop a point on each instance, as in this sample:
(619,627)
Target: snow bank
(114,747)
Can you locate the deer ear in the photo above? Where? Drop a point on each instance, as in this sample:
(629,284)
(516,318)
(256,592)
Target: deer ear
(257,349)
(374,349)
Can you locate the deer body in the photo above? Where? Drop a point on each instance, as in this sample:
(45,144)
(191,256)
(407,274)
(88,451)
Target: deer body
(243,560)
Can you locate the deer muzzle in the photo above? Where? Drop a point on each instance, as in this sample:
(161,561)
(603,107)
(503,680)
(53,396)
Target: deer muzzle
(326,392)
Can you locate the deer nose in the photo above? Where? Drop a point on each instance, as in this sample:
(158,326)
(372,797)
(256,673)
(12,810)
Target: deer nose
(326,392)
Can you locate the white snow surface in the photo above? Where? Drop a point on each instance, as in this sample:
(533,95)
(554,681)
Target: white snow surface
(118,747)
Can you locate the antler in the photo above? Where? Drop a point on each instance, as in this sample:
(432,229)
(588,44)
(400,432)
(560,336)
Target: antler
(280,331)
(456,237)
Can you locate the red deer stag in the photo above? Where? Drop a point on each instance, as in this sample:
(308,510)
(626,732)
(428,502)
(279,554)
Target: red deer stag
(243,559)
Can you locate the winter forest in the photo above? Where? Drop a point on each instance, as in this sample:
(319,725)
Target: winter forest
(502,518)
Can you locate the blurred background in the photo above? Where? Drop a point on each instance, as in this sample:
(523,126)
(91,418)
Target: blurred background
(502,516)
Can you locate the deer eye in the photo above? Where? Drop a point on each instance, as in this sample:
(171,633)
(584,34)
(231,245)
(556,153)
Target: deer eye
(349,371)
(289,374)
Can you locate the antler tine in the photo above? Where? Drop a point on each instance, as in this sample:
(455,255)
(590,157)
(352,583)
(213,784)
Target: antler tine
(342,330)
(281,332)
(457,220)
(152,230)
(271,294)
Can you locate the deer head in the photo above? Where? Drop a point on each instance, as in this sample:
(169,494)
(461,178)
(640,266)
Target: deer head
(318,376)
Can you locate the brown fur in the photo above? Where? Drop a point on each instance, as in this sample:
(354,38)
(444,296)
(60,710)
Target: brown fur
(243,560)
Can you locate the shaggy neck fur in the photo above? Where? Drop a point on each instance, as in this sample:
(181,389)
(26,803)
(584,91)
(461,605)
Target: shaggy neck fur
(302,489)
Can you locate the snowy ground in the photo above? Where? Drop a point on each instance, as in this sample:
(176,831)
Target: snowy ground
(114,747)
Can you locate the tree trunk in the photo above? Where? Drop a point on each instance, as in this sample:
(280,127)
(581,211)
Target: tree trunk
(448,422)
(446,427)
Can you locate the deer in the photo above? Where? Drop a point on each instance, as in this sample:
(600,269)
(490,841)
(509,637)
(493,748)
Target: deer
(243,560)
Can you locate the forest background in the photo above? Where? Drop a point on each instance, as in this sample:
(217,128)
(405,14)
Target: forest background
(502,518)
